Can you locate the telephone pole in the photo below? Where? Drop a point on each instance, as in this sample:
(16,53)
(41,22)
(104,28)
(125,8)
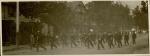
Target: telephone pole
(17,24)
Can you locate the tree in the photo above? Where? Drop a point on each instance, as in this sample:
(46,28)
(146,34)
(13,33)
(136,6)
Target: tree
(140,15)
(51,13)
(109,16)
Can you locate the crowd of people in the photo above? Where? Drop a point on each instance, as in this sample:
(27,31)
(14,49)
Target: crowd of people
(101,40)
(112,39)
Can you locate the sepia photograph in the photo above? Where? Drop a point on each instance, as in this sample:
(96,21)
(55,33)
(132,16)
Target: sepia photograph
(75,27)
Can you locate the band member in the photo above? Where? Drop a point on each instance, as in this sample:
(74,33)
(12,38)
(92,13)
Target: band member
(119,39)
(73,41)
(100,42)
(126,38)
(110,40)
(134,38)
(38,37)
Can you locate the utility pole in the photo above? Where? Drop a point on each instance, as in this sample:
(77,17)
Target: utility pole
(17,24)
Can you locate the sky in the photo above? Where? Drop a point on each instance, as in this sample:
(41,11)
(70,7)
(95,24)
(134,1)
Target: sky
(131,4)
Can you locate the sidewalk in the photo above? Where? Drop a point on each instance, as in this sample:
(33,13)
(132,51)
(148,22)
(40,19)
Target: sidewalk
(14,47)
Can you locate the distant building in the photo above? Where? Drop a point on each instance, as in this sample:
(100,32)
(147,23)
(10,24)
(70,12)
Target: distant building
(8,22)
(8,10)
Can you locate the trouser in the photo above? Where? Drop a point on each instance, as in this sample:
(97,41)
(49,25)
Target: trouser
(37,43)
(82,43)
(100,44)
(115,42)
(40,45)
(32,46)
(110,44)
(73,44)
(119,44)
(134,42)
(126,42)
(32,42)
(90,44)
(53,45)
